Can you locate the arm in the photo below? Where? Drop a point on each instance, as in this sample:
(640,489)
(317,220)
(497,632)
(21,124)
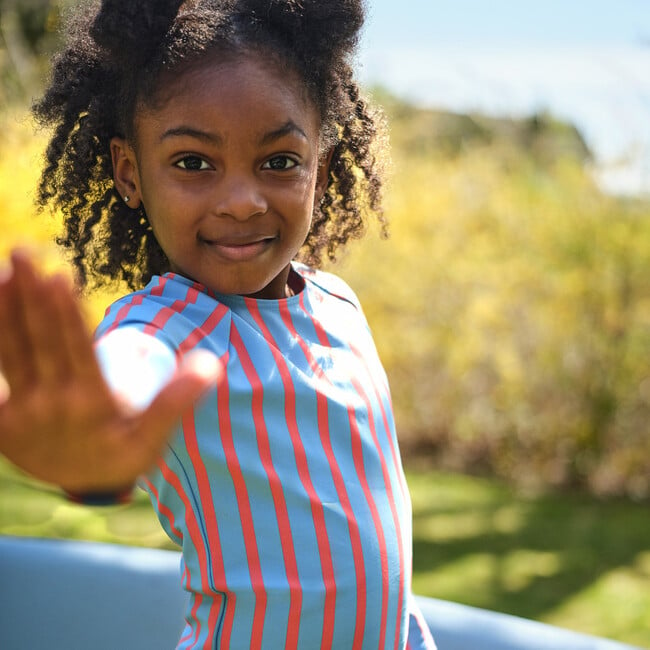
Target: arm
(59,419)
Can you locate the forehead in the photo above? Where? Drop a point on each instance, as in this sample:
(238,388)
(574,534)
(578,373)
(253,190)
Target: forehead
(249,89)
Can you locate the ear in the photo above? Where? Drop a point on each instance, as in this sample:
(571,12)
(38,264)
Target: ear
(125,172)
(323,175)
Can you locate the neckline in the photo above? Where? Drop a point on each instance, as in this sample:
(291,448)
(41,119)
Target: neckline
(296,284)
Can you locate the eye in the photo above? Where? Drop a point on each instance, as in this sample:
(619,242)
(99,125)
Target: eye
(192,163)
(279,163)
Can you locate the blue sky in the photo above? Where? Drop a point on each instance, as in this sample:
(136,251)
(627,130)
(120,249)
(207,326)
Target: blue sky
(471,22)
(587,61)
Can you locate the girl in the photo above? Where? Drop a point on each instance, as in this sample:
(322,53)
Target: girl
(200,148)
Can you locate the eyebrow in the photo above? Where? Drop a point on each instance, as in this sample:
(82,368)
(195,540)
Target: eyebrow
(189,131)
(288,128)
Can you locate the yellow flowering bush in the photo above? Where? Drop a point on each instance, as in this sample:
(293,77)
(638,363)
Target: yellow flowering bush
(511,306)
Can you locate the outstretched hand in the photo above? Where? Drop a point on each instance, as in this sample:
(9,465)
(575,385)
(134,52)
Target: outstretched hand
(59,420)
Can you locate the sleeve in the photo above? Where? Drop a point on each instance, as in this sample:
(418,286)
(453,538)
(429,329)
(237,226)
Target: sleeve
(135,366)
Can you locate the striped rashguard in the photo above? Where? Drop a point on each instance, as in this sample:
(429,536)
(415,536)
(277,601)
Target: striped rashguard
(284,486)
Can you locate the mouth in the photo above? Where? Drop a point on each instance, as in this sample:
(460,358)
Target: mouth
(238,249)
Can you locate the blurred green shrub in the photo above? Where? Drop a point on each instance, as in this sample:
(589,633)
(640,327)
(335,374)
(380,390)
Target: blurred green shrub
(29,33)
(511,307)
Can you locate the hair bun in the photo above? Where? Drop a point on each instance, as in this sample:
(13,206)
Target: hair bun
(124,27)
(318,26)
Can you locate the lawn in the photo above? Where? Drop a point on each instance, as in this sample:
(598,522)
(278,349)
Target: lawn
(568,560)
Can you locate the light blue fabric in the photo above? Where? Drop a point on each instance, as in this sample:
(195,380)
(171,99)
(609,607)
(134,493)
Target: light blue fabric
(284,486)
(68,595)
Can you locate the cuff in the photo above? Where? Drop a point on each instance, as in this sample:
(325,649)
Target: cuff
(100,498)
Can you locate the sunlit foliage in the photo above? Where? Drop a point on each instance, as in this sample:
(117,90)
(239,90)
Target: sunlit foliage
(511,306)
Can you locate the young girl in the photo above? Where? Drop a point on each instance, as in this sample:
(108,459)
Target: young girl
(199,149)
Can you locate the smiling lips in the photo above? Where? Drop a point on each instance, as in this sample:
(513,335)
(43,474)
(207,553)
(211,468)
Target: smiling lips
(237,249)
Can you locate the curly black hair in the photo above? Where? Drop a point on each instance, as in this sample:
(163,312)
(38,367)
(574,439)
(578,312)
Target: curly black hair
(117,54)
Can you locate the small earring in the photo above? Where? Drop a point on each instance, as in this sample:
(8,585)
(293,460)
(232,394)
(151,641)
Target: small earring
(127,198)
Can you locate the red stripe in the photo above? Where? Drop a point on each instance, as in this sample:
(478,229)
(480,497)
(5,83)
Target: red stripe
(291,566)
(403,488)
(357,455)
(164,510)
(357,451)
(246,517)
(225,427)
(204,330)
(195,535)
(393,450)
(124,310)
(190,342)
(196,630)
(396,523)
(136,300)
(208,510)
(318,515)
(339,482)
(213,542)
(164,314)
(185,581)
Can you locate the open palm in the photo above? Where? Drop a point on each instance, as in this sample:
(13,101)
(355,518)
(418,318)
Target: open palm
(59,420)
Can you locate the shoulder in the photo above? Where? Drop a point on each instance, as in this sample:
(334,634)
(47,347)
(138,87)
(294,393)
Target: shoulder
(329,283)
(170,308)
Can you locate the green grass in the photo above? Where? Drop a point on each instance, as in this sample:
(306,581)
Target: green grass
(568,560)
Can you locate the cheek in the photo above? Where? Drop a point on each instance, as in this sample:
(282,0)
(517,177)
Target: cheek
(165,229)
(308,196)
(296,200)
(163,205)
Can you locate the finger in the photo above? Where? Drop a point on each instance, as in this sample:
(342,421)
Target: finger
(200,371)
(15,348)
(76,342)
(5,323)
(43,329)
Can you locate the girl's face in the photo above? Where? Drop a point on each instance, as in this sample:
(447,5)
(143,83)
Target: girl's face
(228,171)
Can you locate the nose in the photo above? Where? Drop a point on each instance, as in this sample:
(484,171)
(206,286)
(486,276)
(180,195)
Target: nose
(240,197)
